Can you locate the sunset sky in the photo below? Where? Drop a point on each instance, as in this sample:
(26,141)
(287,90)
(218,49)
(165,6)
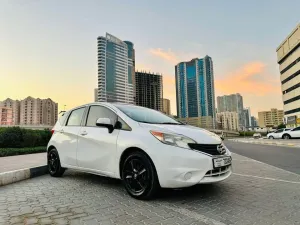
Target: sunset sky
(48,48)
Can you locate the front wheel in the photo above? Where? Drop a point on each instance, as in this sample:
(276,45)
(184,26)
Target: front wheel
(139,176)
(271,137)
(54,167)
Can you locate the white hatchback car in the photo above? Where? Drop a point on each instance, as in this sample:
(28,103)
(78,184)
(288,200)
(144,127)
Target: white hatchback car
(141,146)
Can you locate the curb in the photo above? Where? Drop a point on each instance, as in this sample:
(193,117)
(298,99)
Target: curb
(22,174)
(267,143)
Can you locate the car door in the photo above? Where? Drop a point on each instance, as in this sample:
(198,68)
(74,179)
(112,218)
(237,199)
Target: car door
(67,137)
(96,146)
(295,133)
(278,133)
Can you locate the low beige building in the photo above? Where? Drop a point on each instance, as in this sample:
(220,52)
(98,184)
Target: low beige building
(166,106)
(15,106)
(228,120)
(6,116)
(202,121)
(271,118)
(36,111)
(288,58)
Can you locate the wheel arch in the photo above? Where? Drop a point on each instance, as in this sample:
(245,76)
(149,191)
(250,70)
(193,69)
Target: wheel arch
(50,147)
(129,151)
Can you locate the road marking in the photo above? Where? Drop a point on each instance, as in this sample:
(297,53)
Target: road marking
(267,178)
(195,215)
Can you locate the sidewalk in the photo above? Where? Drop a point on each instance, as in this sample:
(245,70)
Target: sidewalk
(16,168)
(18,162)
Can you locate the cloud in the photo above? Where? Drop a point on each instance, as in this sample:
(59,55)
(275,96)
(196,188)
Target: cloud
(169,55)
(252,78)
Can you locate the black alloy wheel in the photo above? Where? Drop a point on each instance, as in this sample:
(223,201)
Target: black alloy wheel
(286,136)
(54,166)
(271,137)
(139,176)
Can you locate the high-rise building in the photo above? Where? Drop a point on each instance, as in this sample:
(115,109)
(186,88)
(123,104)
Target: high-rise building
(253,122)
(15,106)
(232,103)
(228,120)
(6,116)
(96,95)
(195,92)
(247,117)
(116,70)
(166,106)
(36,111)
(149,90)
(288,58)
(270,118)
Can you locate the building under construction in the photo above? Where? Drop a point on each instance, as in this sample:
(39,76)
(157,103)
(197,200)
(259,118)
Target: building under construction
(149,90)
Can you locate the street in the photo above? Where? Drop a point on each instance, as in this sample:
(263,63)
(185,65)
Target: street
(286,158)
(256,193)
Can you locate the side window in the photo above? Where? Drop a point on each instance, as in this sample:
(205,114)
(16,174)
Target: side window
(97,112)
(279,131)
(124,125)
(296,129)
(75,117)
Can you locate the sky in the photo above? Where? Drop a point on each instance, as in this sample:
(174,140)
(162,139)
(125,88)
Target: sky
(48,48)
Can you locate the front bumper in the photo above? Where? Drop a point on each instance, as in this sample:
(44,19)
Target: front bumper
(177,168)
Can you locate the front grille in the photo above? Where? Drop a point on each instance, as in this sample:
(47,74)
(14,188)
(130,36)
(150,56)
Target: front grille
(209,149)
(217,172)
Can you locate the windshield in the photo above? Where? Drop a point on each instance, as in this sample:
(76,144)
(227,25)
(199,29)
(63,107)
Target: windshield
(145,115)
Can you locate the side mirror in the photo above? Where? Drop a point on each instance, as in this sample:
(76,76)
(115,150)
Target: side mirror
(105,122)
(222,138)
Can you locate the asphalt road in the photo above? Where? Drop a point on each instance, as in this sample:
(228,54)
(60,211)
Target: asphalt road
(282,157)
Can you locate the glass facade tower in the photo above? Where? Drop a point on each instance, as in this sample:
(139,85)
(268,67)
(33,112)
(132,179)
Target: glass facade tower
(195,92)
(116,70)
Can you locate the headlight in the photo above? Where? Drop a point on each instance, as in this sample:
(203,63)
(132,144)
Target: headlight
(173,139)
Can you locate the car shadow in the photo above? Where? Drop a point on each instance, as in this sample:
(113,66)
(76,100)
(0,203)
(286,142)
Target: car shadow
(200,191)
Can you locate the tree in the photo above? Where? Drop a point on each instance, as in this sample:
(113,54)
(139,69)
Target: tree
(281,126)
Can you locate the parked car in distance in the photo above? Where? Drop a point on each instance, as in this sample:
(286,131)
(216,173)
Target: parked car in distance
(293,133)
(144,148)
(277,134)
(256,135)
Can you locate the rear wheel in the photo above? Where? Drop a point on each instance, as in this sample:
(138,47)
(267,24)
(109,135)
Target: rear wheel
(139,176)
(286,136)
(54,166)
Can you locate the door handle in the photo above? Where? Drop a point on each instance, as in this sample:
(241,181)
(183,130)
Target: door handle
(83,133)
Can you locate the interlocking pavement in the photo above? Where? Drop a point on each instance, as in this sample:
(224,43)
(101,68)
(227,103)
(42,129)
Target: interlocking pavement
(255,194)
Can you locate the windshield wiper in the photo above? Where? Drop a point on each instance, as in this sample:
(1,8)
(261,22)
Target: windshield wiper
(172,123)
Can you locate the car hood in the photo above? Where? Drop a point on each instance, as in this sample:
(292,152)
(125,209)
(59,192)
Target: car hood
(199,135)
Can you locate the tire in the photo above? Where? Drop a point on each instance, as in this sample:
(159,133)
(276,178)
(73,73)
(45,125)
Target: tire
(271,137)
(286,136)
(54,166)
(139,176)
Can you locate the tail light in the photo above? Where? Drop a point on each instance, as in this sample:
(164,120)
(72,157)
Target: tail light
(52,131)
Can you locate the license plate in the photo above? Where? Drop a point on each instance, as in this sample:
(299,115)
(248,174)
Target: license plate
(223,161)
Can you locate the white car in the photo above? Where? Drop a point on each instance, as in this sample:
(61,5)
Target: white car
(256,135)
(293,133)
(277,134)
(141,146)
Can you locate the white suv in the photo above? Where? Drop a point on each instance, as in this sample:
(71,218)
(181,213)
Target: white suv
(141,146)
(277,134)
(293,133)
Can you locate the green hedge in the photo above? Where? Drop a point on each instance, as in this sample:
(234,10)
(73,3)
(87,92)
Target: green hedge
(250,133)
(16,137)
(21,151)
